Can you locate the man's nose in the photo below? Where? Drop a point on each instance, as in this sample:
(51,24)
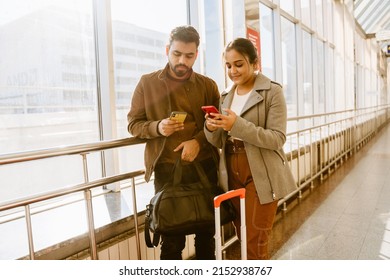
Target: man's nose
(182,59)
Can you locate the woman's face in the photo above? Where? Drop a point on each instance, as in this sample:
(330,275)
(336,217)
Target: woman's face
(240,71)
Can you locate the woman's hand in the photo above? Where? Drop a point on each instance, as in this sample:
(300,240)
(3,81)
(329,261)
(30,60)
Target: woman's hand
(224,121)
(208,118)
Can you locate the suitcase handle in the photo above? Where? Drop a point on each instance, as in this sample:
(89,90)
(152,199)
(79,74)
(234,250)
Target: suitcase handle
(228,195)
(218,240)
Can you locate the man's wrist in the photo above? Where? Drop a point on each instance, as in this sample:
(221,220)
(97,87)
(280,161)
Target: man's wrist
(158,129)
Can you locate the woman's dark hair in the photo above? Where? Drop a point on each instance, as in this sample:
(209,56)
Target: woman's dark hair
(186,34)
(244,47)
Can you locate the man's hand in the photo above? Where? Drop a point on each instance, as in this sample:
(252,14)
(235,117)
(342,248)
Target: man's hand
(190,150)
(167,127)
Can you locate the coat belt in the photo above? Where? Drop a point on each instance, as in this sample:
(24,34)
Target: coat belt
(234,146)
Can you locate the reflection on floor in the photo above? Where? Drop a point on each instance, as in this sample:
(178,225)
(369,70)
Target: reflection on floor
(345,217)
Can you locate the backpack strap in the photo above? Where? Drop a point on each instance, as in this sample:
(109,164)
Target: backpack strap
(156,236)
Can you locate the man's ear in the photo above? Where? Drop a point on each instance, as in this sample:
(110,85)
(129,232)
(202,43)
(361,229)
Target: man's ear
(167,49)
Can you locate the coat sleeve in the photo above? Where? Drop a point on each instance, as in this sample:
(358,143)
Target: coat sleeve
(214,137)
(138,124)
(212,98)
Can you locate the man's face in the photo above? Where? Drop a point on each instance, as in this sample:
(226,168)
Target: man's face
(181,58)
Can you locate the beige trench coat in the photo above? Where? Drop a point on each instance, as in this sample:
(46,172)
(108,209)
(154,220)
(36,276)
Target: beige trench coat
(262,127)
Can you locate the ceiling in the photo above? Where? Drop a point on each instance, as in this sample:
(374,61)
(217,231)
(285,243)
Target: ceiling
(374,17)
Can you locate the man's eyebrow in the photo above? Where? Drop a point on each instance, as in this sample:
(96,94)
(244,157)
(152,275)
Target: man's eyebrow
(179,52)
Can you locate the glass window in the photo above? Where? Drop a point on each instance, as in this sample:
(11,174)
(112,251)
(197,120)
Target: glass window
(330,89)
(267,42)
(213,38)
(339,85)
(140,33)
(306,12)
(307,74)
(319,17)
(288,6)
(47,89)
(48,81)
(289,66)
(350,84)
(319,100)
(329,20)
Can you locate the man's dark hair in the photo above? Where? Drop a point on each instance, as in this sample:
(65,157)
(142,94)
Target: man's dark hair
(186,34)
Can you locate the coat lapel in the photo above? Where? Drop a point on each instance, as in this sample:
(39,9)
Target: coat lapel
(254,98)
(262,83)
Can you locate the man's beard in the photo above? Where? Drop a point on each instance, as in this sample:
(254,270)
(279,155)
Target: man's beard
(180,73)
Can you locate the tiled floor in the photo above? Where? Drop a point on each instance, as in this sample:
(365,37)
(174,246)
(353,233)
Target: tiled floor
(346,217)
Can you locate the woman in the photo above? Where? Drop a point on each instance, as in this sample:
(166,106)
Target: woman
(250,130)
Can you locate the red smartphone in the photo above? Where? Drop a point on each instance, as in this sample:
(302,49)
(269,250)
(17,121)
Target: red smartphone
(210,109)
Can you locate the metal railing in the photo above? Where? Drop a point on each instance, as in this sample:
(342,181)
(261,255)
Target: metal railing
(85,187)
(312,151)
(316,150)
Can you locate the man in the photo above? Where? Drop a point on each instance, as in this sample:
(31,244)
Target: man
(176,88)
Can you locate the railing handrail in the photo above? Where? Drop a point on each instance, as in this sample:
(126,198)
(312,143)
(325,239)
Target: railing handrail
(115,143)
(68,190)
(314,127)
(337,112)
(68,150)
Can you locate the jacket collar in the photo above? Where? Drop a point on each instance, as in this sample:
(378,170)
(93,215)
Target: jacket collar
(261,83)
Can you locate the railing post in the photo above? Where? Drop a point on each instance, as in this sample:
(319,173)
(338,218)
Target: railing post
(313,151)
(85,167)
(298,163)
(29,232)
(135,214)
(321,155)
(88,203)
(91,225)
(354,133)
